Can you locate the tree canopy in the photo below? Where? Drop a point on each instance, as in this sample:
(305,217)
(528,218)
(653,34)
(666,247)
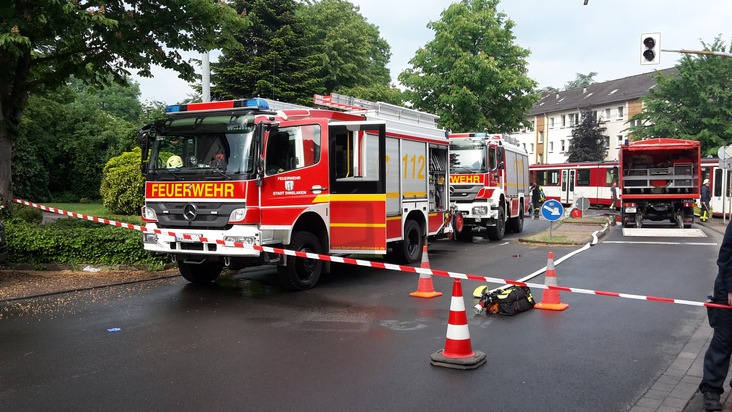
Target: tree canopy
(45,42)
(472,73)
(588,139)
(693,104)
(293,50)
(582,80)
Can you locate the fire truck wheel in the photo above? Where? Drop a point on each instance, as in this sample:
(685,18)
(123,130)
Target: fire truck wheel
(409,250)
(496,232)
(638,220)
(200,273)
(300,273)
(462,233)
(516,224)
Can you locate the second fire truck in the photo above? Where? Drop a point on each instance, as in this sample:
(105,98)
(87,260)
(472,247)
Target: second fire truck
(489,183)
(372,180)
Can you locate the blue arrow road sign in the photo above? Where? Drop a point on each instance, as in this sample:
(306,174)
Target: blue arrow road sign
(552,210)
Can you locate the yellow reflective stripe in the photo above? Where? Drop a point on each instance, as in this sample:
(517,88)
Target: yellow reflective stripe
(358,225)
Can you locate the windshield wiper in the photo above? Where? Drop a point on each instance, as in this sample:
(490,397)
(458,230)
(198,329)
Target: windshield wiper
(217,170)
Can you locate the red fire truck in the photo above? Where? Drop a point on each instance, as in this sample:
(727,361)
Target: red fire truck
(660,179)
(489,183)
(367,181)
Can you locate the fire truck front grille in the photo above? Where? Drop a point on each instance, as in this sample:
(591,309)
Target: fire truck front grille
(186,215)
(464,194)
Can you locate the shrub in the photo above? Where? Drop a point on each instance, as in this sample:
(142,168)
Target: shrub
(26,213)
(123,186)
(72,241)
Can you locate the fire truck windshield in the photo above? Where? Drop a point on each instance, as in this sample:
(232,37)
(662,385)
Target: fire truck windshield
(204,148)
(468,157)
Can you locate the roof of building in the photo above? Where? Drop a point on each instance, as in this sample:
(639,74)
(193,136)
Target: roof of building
(598,94)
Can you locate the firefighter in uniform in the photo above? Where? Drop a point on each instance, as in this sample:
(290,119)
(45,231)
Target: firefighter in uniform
(537,197)
(706,197)
(716,359)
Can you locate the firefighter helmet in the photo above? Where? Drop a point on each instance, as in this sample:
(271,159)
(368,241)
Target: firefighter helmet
(174,161)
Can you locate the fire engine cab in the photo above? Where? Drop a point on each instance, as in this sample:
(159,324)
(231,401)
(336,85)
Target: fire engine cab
(371,180)
(489,180)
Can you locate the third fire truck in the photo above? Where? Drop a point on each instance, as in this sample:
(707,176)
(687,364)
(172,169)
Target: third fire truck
(489,182)
(660,180)
(371,180)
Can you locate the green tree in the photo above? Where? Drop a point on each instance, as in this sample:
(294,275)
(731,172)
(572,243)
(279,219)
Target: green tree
(375,93)
(273,59)
(582,80)
(44,42)
(693,104)
(588,139)
(472,73)
(349,50)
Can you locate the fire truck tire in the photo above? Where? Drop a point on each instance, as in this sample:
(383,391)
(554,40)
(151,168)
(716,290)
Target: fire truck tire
(462,233)
(300,273)
(499,230)
(200,273)
(409,251)
(516,224)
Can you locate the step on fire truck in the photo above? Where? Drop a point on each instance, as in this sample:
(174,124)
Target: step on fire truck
(371,180)
(489,180)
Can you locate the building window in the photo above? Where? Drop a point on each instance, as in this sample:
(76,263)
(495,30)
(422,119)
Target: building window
(562,151)
(607,113)
(551,147)
(573,119)
(606,140)
(541,137)
(541,159)
(533,125)
(531,148)
(551,122)
(620,112)
(620,140)
(564,121)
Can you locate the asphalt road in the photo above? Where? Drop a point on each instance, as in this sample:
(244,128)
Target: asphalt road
(358,342)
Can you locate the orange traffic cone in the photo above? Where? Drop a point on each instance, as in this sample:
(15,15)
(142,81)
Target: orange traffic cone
(425,289)
(550,299)
(458,352)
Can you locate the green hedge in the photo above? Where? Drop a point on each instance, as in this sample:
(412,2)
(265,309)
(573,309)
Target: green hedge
(72,241)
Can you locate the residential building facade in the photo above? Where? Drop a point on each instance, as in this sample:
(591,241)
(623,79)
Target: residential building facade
(554,117)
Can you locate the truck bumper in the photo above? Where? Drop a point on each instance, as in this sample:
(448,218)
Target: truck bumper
(478,214)
(173,241)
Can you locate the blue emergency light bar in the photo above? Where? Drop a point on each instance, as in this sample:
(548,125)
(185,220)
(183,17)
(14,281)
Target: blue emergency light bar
(255,103)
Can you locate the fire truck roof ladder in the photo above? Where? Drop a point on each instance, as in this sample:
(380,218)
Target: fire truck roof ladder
(380,109)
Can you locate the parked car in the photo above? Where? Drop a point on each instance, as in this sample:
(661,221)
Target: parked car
(3,244)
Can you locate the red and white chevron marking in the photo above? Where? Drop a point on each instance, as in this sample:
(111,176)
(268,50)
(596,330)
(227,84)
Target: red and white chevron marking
(378,265)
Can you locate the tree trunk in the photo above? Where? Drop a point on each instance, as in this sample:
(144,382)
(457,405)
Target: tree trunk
(6,154)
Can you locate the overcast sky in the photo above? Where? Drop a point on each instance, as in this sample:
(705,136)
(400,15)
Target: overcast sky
(565,37)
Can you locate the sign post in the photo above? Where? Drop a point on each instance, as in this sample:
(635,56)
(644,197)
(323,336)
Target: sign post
(552,211)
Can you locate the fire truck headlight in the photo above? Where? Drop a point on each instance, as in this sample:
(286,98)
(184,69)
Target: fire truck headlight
(247,240)
(148,214)
(480,210)
(149,238)
(237,215)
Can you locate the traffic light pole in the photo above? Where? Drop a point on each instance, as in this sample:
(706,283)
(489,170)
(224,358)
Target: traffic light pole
(707,52)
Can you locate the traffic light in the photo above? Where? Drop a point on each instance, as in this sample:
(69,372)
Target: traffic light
(650,48)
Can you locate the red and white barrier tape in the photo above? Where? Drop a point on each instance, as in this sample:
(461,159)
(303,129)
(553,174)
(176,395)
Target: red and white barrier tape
(378,265)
